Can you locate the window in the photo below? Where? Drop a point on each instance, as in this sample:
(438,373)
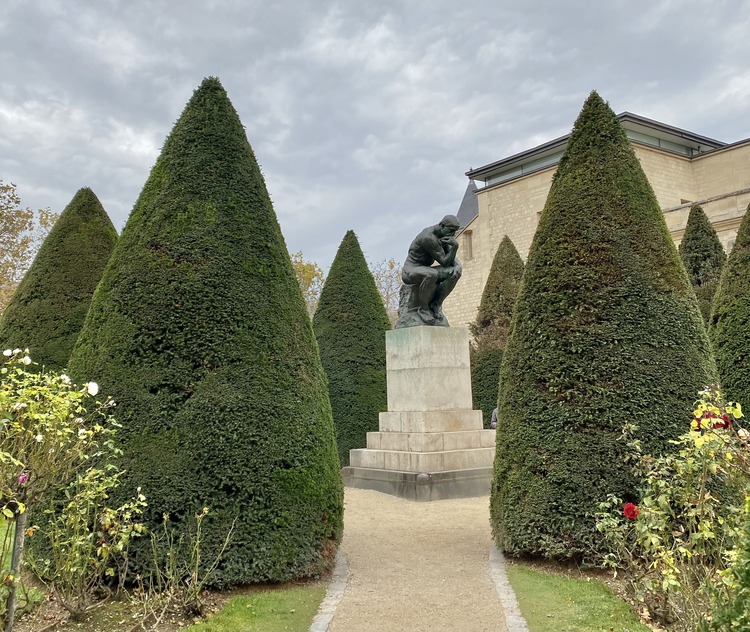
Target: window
(467,247)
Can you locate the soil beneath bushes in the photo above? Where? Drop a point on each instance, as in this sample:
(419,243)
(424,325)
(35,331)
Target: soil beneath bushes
(124,615)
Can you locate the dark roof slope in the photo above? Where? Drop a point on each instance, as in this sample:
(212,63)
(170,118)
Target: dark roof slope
(469,208)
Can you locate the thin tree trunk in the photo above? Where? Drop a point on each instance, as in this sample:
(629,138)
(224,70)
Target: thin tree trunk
(15,568)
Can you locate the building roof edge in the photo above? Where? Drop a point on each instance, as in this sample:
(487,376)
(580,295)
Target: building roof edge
(624,117)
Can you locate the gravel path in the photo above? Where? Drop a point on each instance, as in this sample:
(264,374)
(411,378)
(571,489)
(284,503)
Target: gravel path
(417,566)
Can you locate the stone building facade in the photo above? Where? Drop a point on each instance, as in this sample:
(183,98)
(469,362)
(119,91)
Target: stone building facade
(509,195)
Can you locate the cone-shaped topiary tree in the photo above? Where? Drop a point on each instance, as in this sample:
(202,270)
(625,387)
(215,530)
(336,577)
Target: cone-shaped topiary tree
(703,257)
(730,319)
(490,330)
(199,332)
(606,332)
(48,308)
(350,324)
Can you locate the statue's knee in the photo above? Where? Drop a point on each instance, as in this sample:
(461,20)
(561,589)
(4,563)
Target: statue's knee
(429,276)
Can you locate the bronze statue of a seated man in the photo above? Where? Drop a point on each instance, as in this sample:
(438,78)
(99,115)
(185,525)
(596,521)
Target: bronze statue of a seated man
(427,285)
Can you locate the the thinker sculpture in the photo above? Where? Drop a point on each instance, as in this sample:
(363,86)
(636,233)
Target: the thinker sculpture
(427,285)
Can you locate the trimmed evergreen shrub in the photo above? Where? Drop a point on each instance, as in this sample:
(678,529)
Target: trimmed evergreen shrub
(606,332)
(703,257)
(350,324)
(485,376)
(49,306)
(199,332)
(730,319)
(490,330)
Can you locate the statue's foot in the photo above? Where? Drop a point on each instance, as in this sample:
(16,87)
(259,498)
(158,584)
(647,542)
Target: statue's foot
(437,311)
(426,315)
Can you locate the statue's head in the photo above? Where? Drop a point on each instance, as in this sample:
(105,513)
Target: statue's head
(449,225)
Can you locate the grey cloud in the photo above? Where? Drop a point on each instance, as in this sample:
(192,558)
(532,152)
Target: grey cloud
(363,116)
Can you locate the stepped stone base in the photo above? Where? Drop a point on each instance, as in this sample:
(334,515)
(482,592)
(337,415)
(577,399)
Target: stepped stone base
(421,486)
(442,461)
(431,444)
(431,421)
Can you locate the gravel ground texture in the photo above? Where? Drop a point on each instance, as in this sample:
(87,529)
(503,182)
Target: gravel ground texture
(417,566)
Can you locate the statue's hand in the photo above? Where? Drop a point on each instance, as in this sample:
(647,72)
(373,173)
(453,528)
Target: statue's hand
(444,273)
(449,241)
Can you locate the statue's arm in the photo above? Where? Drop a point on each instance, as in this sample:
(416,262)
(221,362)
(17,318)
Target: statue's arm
(447,255)
(457,268)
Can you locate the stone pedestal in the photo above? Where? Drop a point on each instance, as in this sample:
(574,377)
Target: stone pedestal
(431,443)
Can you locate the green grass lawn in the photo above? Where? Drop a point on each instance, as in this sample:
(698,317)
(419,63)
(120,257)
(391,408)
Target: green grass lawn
(554,603)
(287,610)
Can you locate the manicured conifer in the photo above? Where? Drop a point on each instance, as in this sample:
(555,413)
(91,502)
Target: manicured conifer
(490,330)
(730,319)
(350,324)
(199,332)
(606,332)
(49,306)
(703,257)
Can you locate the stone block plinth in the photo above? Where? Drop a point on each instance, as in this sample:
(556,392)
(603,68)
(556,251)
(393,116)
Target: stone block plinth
(430,443)
(430,421)
(428,369)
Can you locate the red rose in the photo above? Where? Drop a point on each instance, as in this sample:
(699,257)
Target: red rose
(724,422)
(630,511)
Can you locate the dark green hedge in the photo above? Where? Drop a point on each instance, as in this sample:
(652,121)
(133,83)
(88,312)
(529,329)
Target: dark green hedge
(703,257)
(606,331)
(485,377)
(350,323)
(199,332)
(48,308)
(730,319)
(490,330)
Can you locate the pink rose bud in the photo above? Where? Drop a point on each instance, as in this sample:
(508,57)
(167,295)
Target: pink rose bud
(23,478)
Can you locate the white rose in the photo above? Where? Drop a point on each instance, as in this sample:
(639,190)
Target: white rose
(64,378)
(26,360)
(39,438)
(81,432)
(92,388)
(8,352)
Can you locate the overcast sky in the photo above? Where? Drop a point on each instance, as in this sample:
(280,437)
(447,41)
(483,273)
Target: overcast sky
(364,114)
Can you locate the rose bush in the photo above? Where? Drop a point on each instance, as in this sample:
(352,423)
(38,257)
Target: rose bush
(678,544)
(630,511)
(51,431)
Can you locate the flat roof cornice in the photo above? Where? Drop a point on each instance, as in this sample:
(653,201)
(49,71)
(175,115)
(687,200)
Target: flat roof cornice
(629,117)
(538,151)
(629,120)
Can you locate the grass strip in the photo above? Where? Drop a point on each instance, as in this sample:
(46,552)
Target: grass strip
(554,603)
(285,610)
